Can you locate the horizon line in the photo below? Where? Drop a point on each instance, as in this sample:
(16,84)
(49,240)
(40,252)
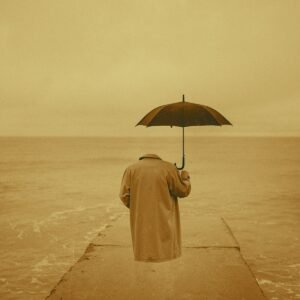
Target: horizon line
(153,136)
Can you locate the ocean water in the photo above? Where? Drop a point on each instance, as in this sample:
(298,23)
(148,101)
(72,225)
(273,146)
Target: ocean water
(57,194)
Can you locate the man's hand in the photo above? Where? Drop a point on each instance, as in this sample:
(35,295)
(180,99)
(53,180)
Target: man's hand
(185,175)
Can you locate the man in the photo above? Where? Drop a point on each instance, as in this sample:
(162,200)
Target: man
(150,189)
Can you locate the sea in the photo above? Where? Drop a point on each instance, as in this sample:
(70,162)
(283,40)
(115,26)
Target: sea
(58,193)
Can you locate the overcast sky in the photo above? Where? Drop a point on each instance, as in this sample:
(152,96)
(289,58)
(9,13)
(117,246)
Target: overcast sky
(95,67)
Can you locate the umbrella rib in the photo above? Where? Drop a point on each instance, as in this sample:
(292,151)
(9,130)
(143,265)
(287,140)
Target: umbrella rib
(153,111)
(152,115)
(215,115)
(162,108)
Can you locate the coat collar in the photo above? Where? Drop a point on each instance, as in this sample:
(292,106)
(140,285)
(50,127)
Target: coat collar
(149,156)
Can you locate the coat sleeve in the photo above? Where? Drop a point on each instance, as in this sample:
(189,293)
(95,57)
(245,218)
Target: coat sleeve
(178,186)
(125,188)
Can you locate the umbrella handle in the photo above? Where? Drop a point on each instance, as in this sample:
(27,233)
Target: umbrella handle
(183,163)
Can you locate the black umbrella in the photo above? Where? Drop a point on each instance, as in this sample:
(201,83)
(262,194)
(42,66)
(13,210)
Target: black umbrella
(183,114)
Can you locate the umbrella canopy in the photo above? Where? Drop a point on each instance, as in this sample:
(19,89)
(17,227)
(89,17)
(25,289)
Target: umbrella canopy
(183,114)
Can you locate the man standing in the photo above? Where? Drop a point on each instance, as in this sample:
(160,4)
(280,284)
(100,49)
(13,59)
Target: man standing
(150,189)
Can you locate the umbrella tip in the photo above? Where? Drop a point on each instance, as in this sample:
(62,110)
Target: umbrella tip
(183,98)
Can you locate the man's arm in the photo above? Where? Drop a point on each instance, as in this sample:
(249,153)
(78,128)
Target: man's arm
(125,189)
(179,184)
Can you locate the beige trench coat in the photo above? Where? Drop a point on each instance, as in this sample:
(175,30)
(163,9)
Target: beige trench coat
(150,189)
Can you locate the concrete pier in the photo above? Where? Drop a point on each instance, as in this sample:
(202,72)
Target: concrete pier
(211,267)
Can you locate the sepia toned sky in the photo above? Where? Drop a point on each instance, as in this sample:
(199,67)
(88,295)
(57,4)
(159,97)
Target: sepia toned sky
(96,67)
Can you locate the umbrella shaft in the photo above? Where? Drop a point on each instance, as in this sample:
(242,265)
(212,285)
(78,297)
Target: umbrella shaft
(183,142)
(183,157)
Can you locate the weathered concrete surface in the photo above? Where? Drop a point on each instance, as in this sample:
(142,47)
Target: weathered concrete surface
(197,231)
(211,267)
